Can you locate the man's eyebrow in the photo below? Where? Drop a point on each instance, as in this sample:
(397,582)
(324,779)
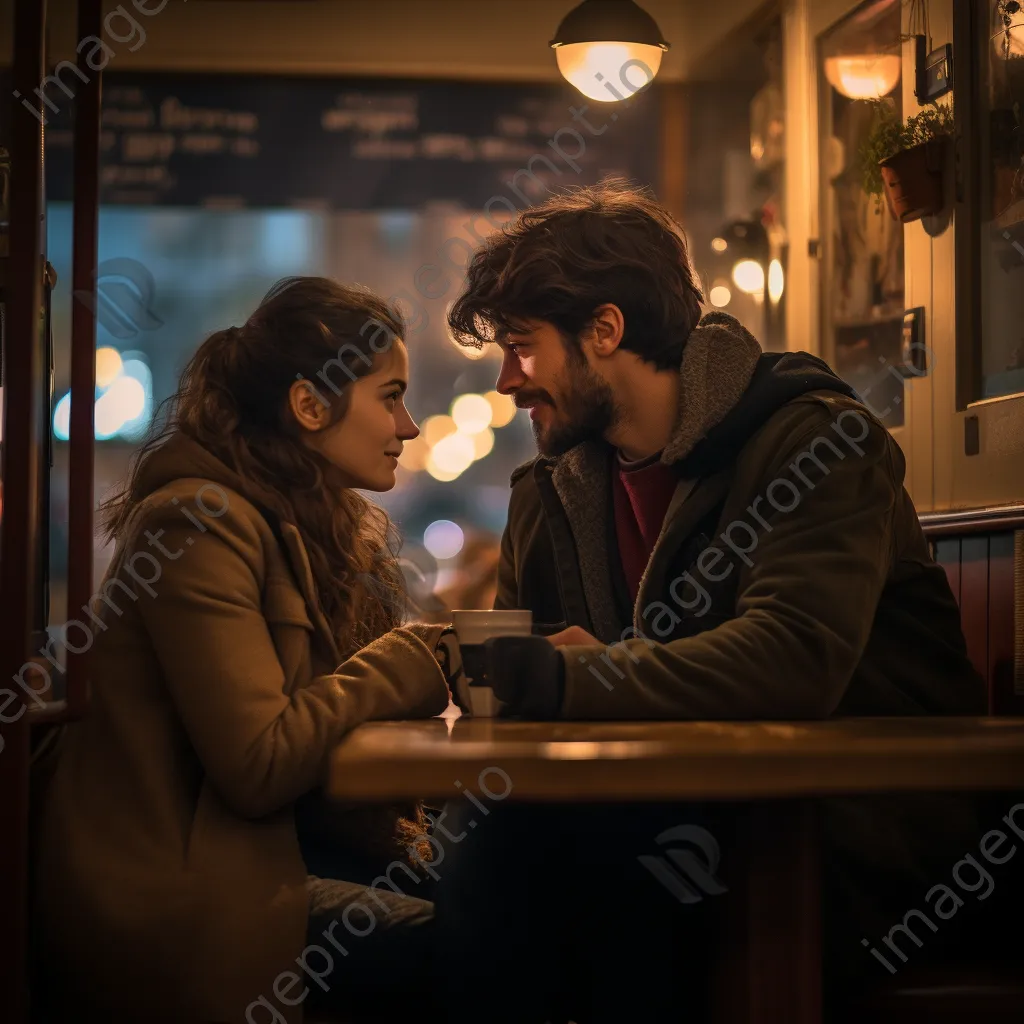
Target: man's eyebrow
(403,385)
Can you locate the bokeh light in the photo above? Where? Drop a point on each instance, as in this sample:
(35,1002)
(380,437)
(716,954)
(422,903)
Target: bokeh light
(414,454)
(444,476)
(503,409)
(125,403)
(471,413)
(720,295)
(435,428)
(483,442)
(776,280)
(453,453)
(748,276)
(124,400)
(443,539)
(108,366)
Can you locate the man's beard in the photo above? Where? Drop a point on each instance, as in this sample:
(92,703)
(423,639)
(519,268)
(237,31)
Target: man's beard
(586,411)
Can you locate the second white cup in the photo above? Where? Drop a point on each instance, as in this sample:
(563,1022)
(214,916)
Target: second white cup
(473,627)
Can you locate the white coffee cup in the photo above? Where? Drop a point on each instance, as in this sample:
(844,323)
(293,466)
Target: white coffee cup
(473,627)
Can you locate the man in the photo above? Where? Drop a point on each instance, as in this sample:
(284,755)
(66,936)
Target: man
(709,531)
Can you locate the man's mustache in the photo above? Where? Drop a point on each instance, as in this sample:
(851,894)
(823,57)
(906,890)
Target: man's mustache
(524,399)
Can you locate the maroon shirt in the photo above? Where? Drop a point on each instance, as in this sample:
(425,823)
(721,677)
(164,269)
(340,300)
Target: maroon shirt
(641,492)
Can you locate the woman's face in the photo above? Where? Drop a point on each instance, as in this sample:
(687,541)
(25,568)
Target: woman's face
(366,442)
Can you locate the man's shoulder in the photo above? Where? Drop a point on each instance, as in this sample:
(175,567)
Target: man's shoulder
(818,422)
(520,471)
(821,409)
(525,499)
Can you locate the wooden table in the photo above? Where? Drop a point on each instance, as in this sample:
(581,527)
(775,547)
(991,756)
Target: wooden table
(770,965)
(679,760)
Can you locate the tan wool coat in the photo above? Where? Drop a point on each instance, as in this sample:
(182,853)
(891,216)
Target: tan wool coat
(170,884)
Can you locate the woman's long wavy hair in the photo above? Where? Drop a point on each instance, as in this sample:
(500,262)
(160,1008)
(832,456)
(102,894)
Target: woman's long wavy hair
(233,401)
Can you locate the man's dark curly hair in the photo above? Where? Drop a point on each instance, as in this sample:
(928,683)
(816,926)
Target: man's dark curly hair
(562,259)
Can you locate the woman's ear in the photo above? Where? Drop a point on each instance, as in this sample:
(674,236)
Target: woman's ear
(310,409)
(607,328)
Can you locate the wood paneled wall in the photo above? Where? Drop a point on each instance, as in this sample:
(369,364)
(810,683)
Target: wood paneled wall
(986,573)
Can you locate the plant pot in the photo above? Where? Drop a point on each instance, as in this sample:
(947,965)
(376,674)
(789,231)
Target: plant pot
(913,180)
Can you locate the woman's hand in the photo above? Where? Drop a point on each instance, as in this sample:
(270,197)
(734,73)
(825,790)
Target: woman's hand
(573,635)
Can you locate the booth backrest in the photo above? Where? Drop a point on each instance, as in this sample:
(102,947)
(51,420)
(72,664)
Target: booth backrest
(983,555)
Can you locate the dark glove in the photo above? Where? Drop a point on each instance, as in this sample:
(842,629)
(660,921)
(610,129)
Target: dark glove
(527,675)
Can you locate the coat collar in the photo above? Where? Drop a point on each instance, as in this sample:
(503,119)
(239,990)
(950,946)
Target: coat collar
(181,457)
(302,570)
(719,360)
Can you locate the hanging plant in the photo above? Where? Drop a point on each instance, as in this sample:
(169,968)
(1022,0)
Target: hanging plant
(903,161)
(1008,10)
(883,140)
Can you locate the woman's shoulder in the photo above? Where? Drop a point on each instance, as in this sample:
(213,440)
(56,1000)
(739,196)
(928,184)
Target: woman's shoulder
(192,509)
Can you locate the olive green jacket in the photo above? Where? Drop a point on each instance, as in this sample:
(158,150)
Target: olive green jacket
(793,583)
(791,579)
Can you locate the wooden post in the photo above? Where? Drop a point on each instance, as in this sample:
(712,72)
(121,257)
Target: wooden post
(22,445)
(83,352)
(770,964)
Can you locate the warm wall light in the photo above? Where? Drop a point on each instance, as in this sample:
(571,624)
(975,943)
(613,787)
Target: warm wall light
(776,280)
(608,49)
(748,276)
(865,76)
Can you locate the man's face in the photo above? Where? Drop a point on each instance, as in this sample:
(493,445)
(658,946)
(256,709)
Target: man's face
(569,402)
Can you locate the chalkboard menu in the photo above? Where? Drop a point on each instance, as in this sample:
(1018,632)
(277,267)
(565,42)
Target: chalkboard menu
(339,143)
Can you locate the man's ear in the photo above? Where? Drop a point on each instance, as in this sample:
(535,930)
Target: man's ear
(307,406)
(606,329)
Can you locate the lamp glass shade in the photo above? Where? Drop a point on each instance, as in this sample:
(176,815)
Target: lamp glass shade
(865,76)
(608,71)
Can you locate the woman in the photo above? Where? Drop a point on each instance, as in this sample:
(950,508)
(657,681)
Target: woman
(249,619)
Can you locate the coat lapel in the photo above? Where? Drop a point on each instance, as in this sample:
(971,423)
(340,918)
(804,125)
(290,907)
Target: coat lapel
(582,480)
(298,558)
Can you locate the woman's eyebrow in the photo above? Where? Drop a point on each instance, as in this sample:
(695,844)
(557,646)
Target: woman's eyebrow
(397,380)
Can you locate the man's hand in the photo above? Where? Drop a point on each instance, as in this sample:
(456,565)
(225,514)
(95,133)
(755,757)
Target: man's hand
(573,635)
(527,675)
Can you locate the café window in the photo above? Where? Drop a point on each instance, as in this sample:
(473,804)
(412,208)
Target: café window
(990,242)
(862,300)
